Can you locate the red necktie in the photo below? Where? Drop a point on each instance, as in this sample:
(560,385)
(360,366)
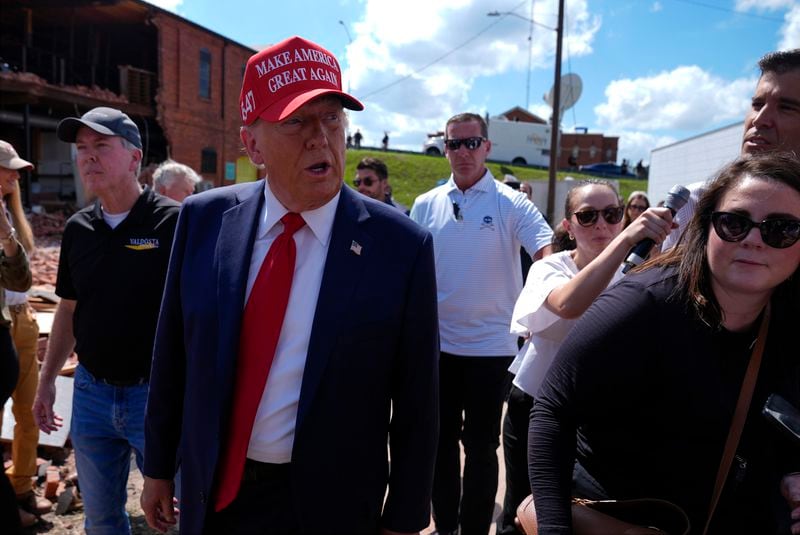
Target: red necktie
(261,326)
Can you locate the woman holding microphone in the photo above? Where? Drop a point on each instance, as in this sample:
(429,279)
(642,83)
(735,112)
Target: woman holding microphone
(558,290)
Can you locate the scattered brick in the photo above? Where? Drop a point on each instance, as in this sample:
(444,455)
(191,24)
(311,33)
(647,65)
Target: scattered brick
(51,484)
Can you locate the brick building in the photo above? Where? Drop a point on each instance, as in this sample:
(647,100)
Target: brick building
(583,148)
(178,81)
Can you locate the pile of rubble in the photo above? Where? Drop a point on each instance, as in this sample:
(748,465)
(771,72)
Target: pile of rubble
(95,91)
(47,231)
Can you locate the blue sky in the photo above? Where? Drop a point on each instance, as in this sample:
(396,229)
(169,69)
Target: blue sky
(653,71)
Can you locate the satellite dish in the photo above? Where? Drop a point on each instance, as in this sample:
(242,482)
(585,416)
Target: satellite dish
(571,87)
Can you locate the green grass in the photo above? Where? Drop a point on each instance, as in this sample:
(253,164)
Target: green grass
(412,174)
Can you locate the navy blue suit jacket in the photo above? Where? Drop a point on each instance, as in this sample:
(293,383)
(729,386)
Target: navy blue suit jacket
(371,373)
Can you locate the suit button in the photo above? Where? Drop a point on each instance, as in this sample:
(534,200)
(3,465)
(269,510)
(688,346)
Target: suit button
(203,497)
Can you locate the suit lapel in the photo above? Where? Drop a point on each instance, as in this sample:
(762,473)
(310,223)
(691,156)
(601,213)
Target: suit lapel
(232,258)
(348,253)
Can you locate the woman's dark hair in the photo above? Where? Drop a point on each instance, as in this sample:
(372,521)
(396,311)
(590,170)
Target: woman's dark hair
(689,255)
(626,218)
(569,202)
(561,239)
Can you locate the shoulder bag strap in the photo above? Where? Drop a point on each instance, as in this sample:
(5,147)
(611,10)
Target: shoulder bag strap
(740,415)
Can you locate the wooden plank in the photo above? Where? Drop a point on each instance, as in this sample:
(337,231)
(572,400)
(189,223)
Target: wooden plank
(63,407)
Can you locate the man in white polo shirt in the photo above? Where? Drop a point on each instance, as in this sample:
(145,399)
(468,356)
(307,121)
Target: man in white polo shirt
(478,226)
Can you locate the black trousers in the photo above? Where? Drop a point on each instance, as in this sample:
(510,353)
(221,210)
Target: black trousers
(9,372)
(262,506)
(515,455)
(471,390)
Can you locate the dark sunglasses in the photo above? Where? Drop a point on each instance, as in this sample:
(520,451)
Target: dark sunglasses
(471,143)
(777,233)
(638,207)
(612,215)
(367,180)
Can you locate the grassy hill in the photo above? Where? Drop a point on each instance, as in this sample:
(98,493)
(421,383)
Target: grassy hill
(411,173)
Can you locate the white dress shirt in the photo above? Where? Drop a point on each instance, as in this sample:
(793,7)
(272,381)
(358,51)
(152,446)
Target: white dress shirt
(273,430)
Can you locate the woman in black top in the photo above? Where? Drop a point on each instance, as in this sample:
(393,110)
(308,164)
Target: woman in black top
(640,398)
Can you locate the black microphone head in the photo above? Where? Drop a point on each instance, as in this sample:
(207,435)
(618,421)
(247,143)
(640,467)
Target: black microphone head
(677,197)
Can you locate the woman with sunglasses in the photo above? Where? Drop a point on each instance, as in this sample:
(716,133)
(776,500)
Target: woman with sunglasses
(636,205)
(641,396)
(559,288)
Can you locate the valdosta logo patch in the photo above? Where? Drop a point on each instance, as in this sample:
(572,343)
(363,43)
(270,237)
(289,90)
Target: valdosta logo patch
(143,244)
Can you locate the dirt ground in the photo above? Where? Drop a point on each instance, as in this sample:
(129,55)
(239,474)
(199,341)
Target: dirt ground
(71,523)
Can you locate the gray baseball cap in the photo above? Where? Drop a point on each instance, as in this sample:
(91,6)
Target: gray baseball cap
(106,121)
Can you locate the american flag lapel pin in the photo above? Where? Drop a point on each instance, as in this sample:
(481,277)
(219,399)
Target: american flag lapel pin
(356,247)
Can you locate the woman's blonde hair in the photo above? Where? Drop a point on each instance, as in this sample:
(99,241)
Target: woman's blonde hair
(13,201)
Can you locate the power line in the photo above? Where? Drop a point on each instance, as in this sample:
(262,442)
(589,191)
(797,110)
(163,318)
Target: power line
(729,10)
(438,59)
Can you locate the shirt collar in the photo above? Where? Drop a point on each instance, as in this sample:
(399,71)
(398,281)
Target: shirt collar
(319,220)
(145,196)
(484,184)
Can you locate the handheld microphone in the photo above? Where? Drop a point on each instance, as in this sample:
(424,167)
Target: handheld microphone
(676,198)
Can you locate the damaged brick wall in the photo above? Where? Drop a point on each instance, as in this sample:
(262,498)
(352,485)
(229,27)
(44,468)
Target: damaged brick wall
(192,123)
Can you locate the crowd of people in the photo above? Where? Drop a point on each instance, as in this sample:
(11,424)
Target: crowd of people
(272,338)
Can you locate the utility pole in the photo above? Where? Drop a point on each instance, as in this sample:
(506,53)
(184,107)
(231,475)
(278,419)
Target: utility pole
(556,119)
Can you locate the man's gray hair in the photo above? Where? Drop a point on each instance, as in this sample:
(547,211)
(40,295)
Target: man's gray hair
(169,170)
(130,146)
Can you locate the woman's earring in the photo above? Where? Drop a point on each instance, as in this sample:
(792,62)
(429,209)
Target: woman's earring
(571,237)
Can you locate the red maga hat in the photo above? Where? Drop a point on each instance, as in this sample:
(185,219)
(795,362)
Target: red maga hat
(281,78)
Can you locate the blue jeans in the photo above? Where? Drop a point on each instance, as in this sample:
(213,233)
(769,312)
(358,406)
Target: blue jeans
(107,422)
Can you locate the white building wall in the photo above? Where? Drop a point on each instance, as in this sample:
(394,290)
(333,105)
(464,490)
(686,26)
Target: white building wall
(692,160)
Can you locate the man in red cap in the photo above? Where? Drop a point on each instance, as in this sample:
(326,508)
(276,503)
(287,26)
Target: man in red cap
(284,362)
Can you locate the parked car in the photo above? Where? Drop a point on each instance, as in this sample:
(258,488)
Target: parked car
(434,146)
(606,169)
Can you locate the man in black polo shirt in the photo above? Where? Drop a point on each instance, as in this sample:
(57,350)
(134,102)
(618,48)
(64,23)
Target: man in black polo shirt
(111,274)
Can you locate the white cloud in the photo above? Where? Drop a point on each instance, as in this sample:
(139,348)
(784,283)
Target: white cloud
(656,7)
(544,111)
(686,98)
(169,5)
(636,145)
(397,39)
(791,29)
(763,5)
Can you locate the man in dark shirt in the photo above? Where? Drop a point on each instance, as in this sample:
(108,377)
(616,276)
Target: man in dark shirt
(372,180)
(111,274)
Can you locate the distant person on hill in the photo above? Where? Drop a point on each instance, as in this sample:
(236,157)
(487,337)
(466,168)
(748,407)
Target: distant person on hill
(385,141)
(357,137)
